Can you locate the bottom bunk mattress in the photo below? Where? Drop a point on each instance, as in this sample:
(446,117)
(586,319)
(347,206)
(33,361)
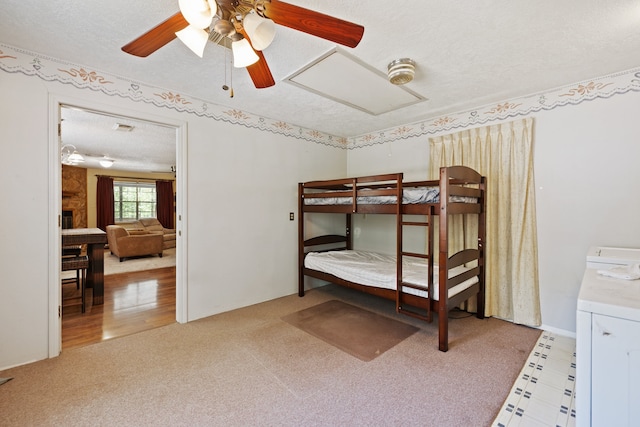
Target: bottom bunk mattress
(379,270)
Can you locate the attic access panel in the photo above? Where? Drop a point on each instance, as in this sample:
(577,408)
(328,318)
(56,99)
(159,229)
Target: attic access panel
(343,78)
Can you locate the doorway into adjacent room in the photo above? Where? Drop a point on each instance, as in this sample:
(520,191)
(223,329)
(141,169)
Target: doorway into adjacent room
(139,292)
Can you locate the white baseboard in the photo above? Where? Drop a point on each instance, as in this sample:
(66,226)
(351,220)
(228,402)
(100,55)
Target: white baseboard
(558,331)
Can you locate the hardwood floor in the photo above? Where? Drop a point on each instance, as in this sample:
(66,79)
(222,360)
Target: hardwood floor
(133,302)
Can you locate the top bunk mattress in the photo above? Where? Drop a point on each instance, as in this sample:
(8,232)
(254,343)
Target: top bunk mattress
(409,196)
(379,270)
(412,195)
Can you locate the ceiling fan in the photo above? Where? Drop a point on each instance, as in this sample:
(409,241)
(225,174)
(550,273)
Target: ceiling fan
(236,23)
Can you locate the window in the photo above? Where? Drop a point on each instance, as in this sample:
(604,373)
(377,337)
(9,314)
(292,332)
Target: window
(134,200)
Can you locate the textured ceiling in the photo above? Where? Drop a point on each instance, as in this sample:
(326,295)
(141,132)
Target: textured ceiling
(468,54)
(146,147)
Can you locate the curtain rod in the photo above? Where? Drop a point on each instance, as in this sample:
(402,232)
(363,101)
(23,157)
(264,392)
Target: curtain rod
(134,179)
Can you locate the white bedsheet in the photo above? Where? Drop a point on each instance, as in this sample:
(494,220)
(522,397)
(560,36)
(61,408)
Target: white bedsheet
(379,270)
(411,195)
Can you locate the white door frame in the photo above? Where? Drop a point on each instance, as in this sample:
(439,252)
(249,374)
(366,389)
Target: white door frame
(55,206)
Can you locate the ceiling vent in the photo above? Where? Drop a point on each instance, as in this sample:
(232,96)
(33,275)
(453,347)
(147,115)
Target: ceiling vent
(122,127)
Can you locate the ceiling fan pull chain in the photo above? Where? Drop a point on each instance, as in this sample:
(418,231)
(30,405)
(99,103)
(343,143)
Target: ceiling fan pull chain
(224,86)
(231,77)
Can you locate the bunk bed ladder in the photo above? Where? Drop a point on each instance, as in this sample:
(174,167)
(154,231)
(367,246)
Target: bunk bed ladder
(401,285)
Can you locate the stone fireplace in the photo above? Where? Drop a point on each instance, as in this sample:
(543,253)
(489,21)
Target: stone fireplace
(74,197)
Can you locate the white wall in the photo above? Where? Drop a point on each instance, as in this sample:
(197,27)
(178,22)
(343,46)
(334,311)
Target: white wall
(587,176)
(242,248)
(24,234)
(247,252)
(587,179)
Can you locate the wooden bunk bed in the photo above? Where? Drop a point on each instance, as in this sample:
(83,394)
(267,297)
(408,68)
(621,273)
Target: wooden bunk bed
(459,191)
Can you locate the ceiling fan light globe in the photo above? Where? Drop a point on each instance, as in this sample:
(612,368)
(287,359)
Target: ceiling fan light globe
(75,158)
(261,31)
(213,8)
(198,13)
(194,38)
(243,54)
(106,163)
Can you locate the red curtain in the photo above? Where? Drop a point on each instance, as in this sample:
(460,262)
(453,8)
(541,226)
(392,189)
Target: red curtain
(164,203)
(104,202)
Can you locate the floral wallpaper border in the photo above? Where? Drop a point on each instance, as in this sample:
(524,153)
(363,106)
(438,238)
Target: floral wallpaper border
(602,87)
(15,60)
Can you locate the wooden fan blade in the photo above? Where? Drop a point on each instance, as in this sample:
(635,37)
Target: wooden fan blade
(259,72)
(156,37)
(314,23)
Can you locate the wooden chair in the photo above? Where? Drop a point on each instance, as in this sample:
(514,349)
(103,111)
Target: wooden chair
(74,250)
(69,252)
(80,264)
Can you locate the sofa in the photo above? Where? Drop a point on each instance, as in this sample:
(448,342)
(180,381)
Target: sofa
(153,226)
(126,244)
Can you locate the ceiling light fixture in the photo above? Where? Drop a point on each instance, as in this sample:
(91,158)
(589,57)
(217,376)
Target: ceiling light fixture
(226,21)
(69,155)
(241,21)
(75,158)
(261,31)
(194,38)
(401,71)
(106,162)
(243,54)
(198,13)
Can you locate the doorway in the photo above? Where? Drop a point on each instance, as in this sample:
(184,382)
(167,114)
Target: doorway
(137,147)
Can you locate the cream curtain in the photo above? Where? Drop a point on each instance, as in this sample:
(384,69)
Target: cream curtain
(504,154)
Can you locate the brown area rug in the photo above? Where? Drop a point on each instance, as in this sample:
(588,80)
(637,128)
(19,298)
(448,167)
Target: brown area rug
(359,332)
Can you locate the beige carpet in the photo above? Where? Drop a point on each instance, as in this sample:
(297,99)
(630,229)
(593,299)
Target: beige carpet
(248,367)
(359,332)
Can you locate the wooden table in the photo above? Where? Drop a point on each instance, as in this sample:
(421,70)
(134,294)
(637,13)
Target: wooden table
(95,239)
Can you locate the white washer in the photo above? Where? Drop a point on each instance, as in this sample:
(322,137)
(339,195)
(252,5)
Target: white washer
(608,342)
(605,257)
